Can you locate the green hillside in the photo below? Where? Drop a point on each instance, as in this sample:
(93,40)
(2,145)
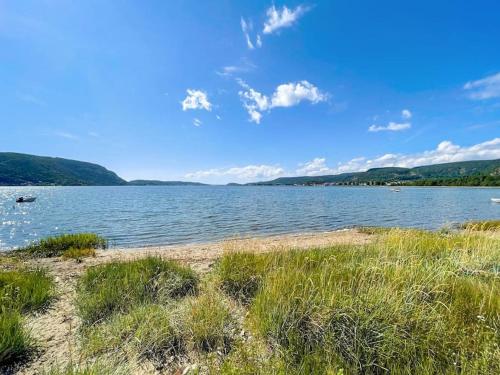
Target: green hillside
(23,169)
(163,183)
(478,172)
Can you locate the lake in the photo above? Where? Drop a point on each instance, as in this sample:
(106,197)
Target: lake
(161,215)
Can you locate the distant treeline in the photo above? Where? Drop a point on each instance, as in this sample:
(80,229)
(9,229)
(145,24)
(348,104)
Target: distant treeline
(483,180)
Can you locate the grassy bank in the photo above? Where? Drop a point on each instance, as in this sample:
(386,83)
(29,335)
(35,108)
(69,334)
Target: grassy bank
(408,302)
(67,245)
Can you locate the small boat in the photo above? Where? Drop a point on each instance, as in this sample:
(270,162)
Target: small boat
(495,200)
(395,190)
(25,199)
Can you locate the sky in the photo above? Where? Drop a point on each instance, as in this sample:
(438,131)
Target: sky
(237,91)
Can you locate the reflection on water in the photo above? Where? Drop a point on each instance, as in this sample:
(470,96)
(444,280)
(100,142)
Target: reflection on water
(136,216)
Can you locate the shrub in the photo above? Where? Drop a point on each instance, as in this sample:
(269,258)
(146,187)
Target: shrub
(25,290)
(14,340)
(56,246)
(116,287)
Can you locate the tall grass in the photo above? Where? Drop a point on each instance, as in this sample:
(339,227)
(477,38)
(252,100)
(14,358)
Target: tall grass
(14,340)
(207,322)
(412,302)
(486,225)
(25,290)
(116,287)
(147,331)
(20,291)
(56,246)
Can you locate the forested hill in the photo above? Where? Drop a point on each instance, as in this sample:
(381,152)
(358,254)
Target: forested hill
(163,183)
(23,169)
(478,172)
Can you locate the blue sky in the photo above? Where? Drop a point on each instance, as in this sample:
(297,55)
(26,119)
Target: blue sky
(224,91)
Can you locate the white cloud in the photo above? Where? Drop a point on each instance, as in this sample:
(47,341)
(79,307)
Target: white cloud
(281,18)
(197,122)
(285,95)
(392,126)
(485,88)
(66,135)
(258,41)
(445,152)
(196,99)
(94,134)
(406,114)
(315,167)
(240,174)
(218,117)
(247,27)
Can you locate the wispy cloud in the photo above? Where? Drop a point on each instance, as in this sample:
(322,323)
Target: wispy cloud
(392,126)
(406,114)
(197,122)
(247,28)
(66,135)
(485,88)
(28,98)
(94,134)
(230,70)
(285,95)
(281,18)
(196,99)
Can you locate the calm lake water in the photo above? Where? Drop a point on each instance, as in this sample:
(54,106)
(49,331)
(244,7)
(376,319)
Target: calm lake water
(141,216)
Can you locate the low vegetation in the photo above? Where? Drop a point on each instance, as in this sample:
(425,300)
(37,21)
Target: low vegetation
(117,287)
(78,254)
(21,291)
(409,302)
(59,245)
(486,225)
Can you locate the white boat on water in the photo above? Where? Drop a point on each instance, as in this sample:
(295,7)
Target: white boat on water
(25,199)
(495,200)
(395,190)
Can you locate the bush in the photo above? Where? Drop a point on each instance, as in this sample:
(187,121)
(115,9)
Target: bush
(14,340)
(56,246)
(25,290)
(116,287)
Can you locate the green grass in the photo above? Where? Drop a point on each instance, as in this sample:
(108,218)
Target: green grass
(412,302)
(148,331)
(21,291)
(78,254)
(96,368)
(208,323)
(25,290)
(117,287)
(58,245)
(486,225)
(242,273)
(15,342)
